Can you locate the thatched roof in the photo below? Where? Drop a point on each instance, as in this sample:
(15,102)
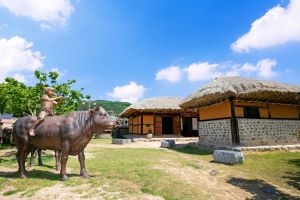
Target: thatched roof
(154,105)
(247,89)
(8,123)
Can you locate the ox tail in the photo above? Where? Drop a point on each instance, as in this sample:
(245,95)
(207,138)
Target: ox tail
(21,127)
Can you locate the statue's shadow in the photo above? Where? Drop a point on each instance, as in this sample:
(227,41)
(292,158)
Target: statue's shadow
(37,174)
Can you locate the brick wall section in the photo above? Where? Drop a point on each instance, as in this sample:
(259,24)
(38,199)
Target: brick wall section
(215,132)
(255,132)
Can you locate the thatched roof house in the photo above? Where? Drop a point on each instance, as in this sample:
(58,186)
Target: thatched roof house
(247,89)
(160,115)
(236,110)
(154,105)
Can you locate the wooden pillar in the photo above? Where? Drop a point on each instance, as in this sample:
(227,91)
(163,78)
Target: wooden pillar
(268,107)
(154,125)
(234,124)
(158,125)
(176,125)
(142,124)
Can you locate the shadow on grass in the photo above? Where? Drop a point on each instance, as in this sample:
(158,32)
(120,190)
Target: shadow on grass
(9,153)
(48,166)
(37,174)
(6,162)
(293,177)
(188,149)
(260,189)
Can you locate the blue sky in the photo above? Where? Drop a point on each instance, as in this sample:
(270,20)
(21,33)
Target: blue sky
(131,49)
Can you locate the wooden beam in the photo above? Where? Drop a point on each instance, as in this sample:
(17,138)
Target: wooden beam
(234,124)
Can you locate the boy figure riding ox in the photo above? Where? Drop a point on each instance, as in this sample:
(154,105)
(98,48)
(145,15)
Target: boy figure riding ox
(47,105)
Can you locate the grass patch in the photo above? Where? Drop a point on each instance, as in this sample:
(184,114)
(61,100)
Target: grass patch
(125,172)
(280,168)
(5,146)
(10,192)
(101,141)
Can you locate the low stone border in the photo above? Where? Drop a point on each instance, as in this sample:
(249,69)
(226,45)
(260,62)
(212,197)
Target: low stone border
(121,141)
(291,147)
(269,148)
(103,136)
(159,139)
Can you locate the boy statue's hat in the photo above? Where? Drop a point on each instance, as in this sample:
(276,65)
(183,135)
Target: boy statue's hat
(46,89)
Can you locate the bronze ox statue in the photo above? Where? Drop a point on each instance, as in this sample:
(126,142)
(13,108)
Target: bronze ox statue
(68,134)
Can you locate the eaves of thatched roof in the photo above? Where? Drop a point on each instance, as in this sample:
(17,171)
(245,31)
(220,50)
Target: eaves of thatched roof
(225,88)
(154,105)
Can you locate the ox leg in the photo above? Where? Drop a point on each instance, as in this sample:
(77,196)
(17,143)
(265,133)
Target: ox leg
(64,159)
(39,151)
(21,157)
(57,160)
(32,156)
(26,153)
(83,172)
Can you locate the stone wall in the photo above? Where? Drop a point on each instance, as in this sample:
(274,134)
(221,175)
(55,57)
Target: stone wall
(254,132)
(215,132)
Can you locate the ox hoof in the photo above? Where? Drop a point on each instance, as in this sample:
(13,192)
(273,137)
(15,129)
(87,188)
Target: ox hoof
(41,164)
(85,175)
(23,176)
(64,178)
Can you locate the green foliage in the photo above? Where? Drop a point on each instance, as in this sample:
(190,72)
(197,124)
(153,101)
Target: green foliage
(20,100)
(114,108)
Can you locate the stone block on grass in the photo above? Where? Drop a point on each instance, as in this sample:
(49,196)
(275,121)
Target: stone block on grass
(228,157)
(167,143)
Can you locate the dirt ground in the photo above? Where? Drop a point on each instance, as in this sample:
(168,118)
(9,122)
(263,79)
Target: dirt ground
(211,181)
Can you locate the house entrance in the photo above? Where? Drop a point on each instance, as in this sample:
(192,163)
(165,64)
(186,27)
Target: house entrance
(167,125)
(187,127)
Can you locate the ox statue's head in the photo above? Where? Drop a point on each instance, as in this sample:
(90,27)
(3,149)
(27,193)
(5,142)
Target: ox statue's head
(101,117)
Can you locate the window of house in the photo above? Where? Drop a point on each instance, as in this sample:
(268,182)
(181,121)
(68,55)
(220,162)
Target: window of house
(251,112)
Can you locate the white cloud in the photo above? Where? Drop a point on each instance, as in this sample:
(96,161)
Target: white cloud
(202,71)
(131,92)
(61,73)
(56,70)
(264,68)
(19,77)
(248,67)
(17,56)
(50,13)
(278,26)
(172,74)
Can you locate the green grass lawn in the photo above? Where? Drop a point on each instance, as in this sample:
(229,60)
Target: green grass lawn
(280,168)
(123,172)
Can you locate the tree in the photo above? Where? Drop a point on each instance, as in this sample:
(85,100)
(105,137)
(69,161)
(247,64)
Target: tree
(114,108)
(20,100)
